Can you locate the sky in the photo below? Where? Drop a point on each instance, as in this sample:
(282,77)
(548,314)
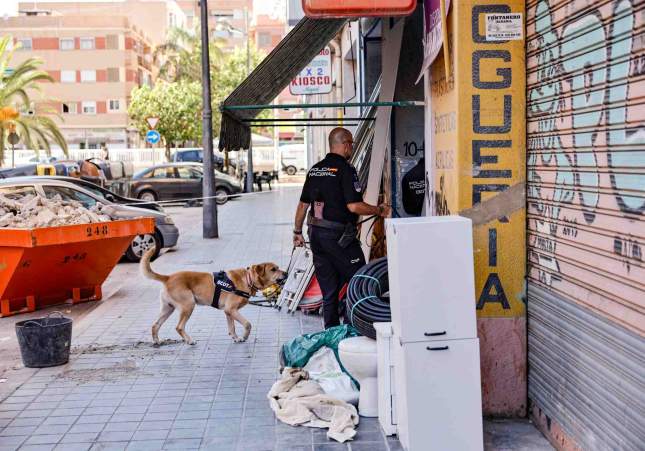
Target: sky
(259,6)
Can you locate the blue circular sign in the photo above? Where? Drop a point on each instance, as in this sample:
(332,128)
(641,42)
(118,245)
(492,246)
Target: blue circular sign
(153,136)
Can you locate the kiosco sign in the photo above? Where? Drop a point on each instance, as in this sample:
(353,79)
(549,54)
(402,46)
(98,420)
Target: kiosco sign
(315,78)
(356,8)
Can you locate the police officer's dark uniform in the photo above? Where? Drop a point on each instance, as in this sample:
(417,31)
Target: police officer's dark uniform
(332,184)
(413,189)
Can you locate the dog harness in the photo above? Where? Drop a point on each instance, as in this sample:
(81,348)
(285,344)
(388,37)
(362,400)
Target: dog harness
(223,283)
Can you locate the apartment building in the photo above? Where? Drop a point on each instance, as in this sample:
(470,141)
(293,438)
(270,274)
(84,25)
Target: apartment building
(228,20)
(96,53)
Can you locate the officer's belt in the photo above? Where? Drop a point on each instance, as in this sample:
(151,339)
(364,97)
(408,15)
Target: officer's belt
(325,224)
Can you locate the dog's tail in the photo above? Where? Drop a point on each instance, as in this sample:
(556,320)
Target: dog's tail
(146,269)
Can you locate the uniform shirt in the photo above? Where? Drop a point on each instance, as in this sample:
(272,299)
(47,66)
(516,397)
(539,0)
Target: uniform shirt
(413,189)
(331,184)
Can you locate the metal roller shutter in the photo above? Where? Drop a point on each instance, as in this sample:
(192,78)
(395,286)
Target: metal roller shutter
(586,217)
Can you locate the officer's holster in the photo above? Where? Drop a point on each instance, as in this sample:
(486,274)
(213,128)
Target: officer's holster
(349,230)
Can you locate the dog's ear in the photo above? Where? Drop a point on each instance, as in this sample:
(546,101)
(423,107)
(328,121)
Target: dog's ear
(259,271)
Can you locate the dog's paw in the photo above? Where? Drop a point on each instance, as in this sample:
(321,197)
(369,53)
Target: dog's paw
(156,344)
(238,340)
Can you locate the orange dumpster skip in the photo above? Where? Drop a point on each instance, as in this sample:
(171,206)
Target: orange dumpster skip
(47,266)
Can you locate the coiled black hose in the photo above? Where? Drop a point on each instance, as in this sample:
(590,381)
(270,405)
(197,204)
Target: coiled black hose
(367,300)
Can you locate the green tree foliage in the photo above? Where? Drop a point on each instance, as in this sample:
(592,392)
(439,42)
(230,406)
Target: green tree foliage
(17,84)
(177,96)
(177,105)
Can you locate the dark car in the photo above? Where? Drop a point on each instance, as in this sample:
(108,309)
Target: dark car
(104,192)
(180,181)
(195,156)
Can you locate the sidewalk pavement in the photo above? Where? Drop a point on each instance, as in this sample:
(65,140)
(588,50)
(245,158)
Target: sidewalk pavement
(118,392)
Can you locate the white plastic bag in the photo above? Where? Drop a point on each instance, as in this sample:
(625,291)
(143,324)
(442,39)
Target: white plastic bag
(324,369)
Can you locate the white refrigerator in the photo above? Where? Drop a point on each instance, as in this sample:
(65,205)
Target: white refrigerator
(435,349)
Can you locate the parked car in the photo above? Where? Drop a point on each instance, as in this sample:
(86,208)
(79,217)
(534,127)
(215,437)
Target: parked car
(165,235)
(195,156)
(180,181)
(104,192)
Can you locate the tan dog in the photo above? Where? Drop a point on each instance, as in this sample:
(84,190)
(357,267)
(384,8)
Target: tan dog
(182,290)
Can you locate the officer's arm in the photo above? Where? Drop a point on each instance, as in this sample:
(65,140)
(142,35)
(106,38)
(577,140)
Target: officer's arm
(363,209)
(301,212)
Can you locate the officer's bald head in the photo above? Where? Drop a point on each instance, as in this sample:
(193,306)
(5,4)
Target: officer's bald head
(340,141)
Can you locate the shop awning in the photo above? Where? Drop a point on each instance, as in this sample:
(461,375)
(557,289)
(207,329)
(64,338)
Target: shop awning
(272,75)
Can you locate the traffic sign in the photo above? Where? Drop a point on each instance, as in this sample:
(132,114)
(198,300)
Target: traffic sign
(152,122)
(13,138)
(315,78)
(153,136)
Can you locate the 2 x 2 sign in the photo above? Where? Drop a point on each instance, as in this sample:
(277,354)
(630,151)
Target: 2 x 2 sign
(315,78)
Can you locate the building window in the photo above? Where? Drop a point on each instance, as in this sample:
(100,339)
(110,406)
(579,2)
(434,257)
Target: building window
(66,43)
(112,42)
(89,107)
(24,44)
(113,74)
(69,108)
(87,43)
(113,105)
(88,76)
(68,76)
(264,39)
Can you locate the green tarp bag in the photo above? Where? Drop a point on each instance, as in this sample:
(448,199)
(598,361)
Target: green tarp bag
(298,351)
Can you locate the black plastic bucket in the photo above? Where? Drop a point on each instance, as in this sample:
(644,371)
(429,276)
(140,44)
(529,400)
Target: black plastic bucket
(45,341)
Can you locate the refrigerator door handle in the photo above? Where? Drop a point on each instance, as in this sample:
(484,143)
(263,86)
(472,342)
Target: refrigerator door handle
(438,348)
(434,334)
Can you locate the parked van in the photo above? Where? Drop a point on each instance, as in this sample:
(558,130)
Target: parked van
(293,158)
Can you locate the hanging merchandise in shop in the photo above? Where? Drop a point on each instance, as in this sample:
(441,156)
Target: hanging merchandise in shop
(358,8)
(433,32)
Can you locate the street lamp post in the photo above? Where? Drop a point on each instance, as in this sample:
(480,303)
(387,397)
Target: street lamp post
(210,229)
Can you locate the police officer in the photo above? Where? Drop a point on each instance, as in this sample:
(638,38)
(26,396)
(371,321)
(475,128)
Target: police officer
(332,194)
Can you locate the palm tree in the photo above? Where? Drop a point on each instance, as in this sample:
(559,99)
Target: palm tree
(36,131)
(179,58)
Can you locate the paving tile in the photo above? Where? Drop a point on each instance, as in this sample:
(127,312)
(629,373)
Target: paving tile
(17,430)
(331,447)
(73,447)
(219,444)
(155,425)
(84,437)
(124,426)
(86,427)
(369,446)
(182,444)
(145,445)
(109,446)
(185,433)
(158,434)
(37,447)
(26,421)
(88,419)
(115,436)
(45,439)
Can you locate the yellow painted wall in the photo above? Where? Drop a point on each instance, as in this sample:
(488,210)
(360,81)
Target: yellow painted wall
(479,159)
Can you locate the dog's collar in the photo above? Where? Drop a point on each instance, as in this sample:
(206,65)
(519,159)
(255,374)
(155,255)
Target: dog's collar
(249,282)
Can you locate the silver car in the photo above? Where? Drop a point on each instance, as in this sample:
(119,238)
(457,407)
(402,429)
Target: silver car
(165,235)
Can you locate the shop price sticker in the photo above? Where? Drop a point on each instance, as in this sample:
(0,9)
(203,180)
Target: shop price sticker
(504,27)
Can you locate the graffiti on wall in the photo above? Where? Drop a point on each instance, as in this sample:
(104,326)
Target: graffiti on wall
(586,141)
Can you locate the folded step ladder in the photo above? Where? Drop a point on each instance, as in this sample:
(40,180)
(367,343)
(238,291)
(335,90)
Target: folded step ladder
(301,268)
